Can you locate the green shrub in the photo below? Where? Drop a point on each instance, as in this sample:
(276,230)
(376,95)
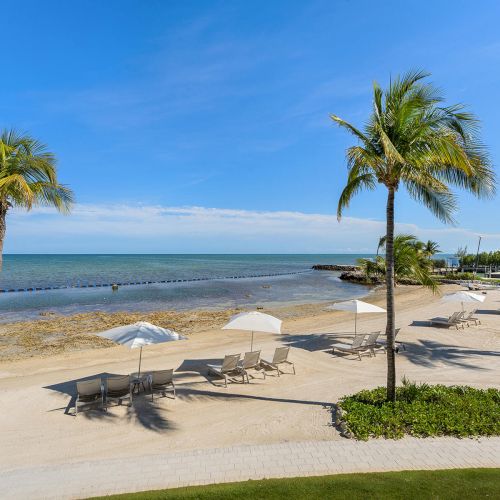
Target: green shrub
(460,276)
(423,410)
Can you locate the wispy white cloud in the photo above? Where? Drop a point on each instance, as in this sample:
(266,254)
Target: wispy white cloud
(156,228)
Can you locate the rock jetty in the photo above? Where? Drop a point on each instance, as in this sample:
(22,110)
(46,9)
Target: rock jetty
(335,267)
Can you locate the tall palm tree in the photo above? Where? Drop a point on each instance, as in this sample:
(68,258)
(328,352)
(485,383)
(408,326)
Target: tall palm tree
(413,140)
(28,177)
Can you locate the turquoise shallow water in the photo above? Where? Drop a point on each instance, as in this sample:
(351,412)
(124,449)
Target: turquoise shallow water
(215,291)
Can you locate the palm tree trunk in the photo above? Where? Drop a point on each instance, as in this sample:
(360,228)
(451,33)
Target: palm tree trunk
(389,331)
(4,206)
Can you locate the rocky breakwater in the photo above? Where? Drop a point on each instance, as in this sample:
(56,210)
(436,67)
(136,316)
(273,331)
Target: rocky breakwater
(335,267)
(350,273)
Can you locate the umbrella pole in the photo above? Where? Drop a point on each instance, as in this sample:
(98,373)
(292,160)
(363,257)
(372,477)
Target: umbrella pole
(251,343)
(140,359)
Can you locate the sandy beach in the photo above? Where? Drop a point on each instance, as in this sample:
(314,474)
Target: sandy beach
(38,427)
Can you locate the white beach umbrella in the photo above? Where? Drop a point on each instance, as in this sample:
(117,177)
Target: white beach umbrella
(357,307)
(140,334)
(463,296)
(254,321)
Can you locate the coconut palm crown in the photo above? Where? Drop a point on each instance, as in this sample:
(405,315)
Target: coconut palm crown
(413,140)
(28,177)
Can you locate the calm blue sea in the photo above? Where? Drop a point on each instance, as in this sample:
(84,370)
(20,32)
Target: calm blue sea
(294,282)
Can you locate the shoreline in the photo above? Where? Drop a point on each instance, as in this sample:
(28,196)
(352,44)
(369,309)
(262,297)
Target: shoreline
(183,295)
(59,334)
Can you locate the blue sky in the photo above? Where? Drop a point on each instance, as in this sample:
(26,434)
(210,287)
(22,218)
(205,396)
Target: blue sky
(203,126)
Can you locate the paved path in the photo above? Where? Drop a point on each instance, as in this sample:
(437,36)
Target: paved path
(239,463)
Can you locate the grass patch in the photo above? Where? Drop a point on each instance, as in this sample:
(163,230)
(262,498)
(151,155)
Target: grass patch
(422,410)
(442,484)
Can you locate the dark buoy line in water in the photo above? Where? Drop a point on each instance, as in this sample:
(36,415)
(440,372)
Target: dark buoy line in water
(115,286)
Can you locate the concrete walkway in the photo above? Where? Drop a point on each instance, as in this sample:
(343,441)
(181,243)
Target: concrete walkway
(239,463)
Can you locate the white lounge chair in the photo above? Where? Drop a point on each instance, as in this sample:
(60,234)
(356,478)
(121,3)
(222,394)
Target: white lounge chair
(161,381)
(383,342)
(89,393)
(471,318)
(356,347)
(228,369)
(453,320)
(280,358)
(371,342)
(118,389)
(251,361)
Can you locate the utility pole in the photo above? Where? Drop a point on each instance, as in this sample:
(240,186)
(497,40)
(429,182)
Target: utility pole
(477,258)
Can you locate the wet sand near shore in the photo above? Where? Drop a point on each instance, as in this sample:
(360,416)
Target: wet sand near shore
(37,425)
(56,334)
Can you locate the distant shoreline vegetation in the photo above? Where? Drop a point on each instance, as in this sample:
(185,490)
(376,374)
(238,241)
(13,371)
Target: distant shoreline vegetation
(482,259)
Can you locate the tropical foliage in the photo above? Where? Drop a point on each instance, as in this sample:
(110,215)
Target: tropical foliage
(483,259)
(411,262)
(413,141)
(28,177)
(422,410)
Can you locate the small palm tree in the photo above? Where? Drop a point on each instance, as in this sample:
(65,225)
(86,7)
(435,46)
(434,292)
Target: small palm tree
(431,248)
(28,178)
(410,262)
(412,140)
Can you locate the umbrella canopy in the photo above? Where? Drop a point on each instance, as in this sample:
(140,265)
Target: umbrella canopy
(140,334)
(254,321)
(463,296)
(357,307)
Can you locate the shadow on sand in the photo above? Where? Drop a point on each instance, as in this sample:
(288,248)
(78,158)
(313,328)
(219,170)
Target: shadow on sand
(314,341)
(149,414)
(495,312)
(191,394)
(430,354)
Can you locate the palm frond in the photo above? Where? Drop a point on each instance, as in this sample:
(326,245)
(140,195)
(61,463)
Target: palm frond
(28,173)
(441,203)
(355,184)
(350,128)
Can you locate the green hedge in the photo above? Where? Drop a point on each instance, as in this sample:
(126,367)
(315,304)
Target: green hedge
(422,410)
(461,276)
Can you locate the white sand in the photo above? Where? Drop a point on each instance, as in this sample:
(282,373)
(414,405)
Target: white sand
(36,430)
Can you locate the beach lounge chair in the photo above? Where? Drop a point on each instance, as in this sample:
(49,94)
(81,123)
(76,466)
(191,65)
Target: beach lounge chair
(89,392)
(280,358)
(471,318)
(161,381)
(251,361)
(356,347)
(117,389)
(383,342)
(371,342)
(453,320)
(228,369)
